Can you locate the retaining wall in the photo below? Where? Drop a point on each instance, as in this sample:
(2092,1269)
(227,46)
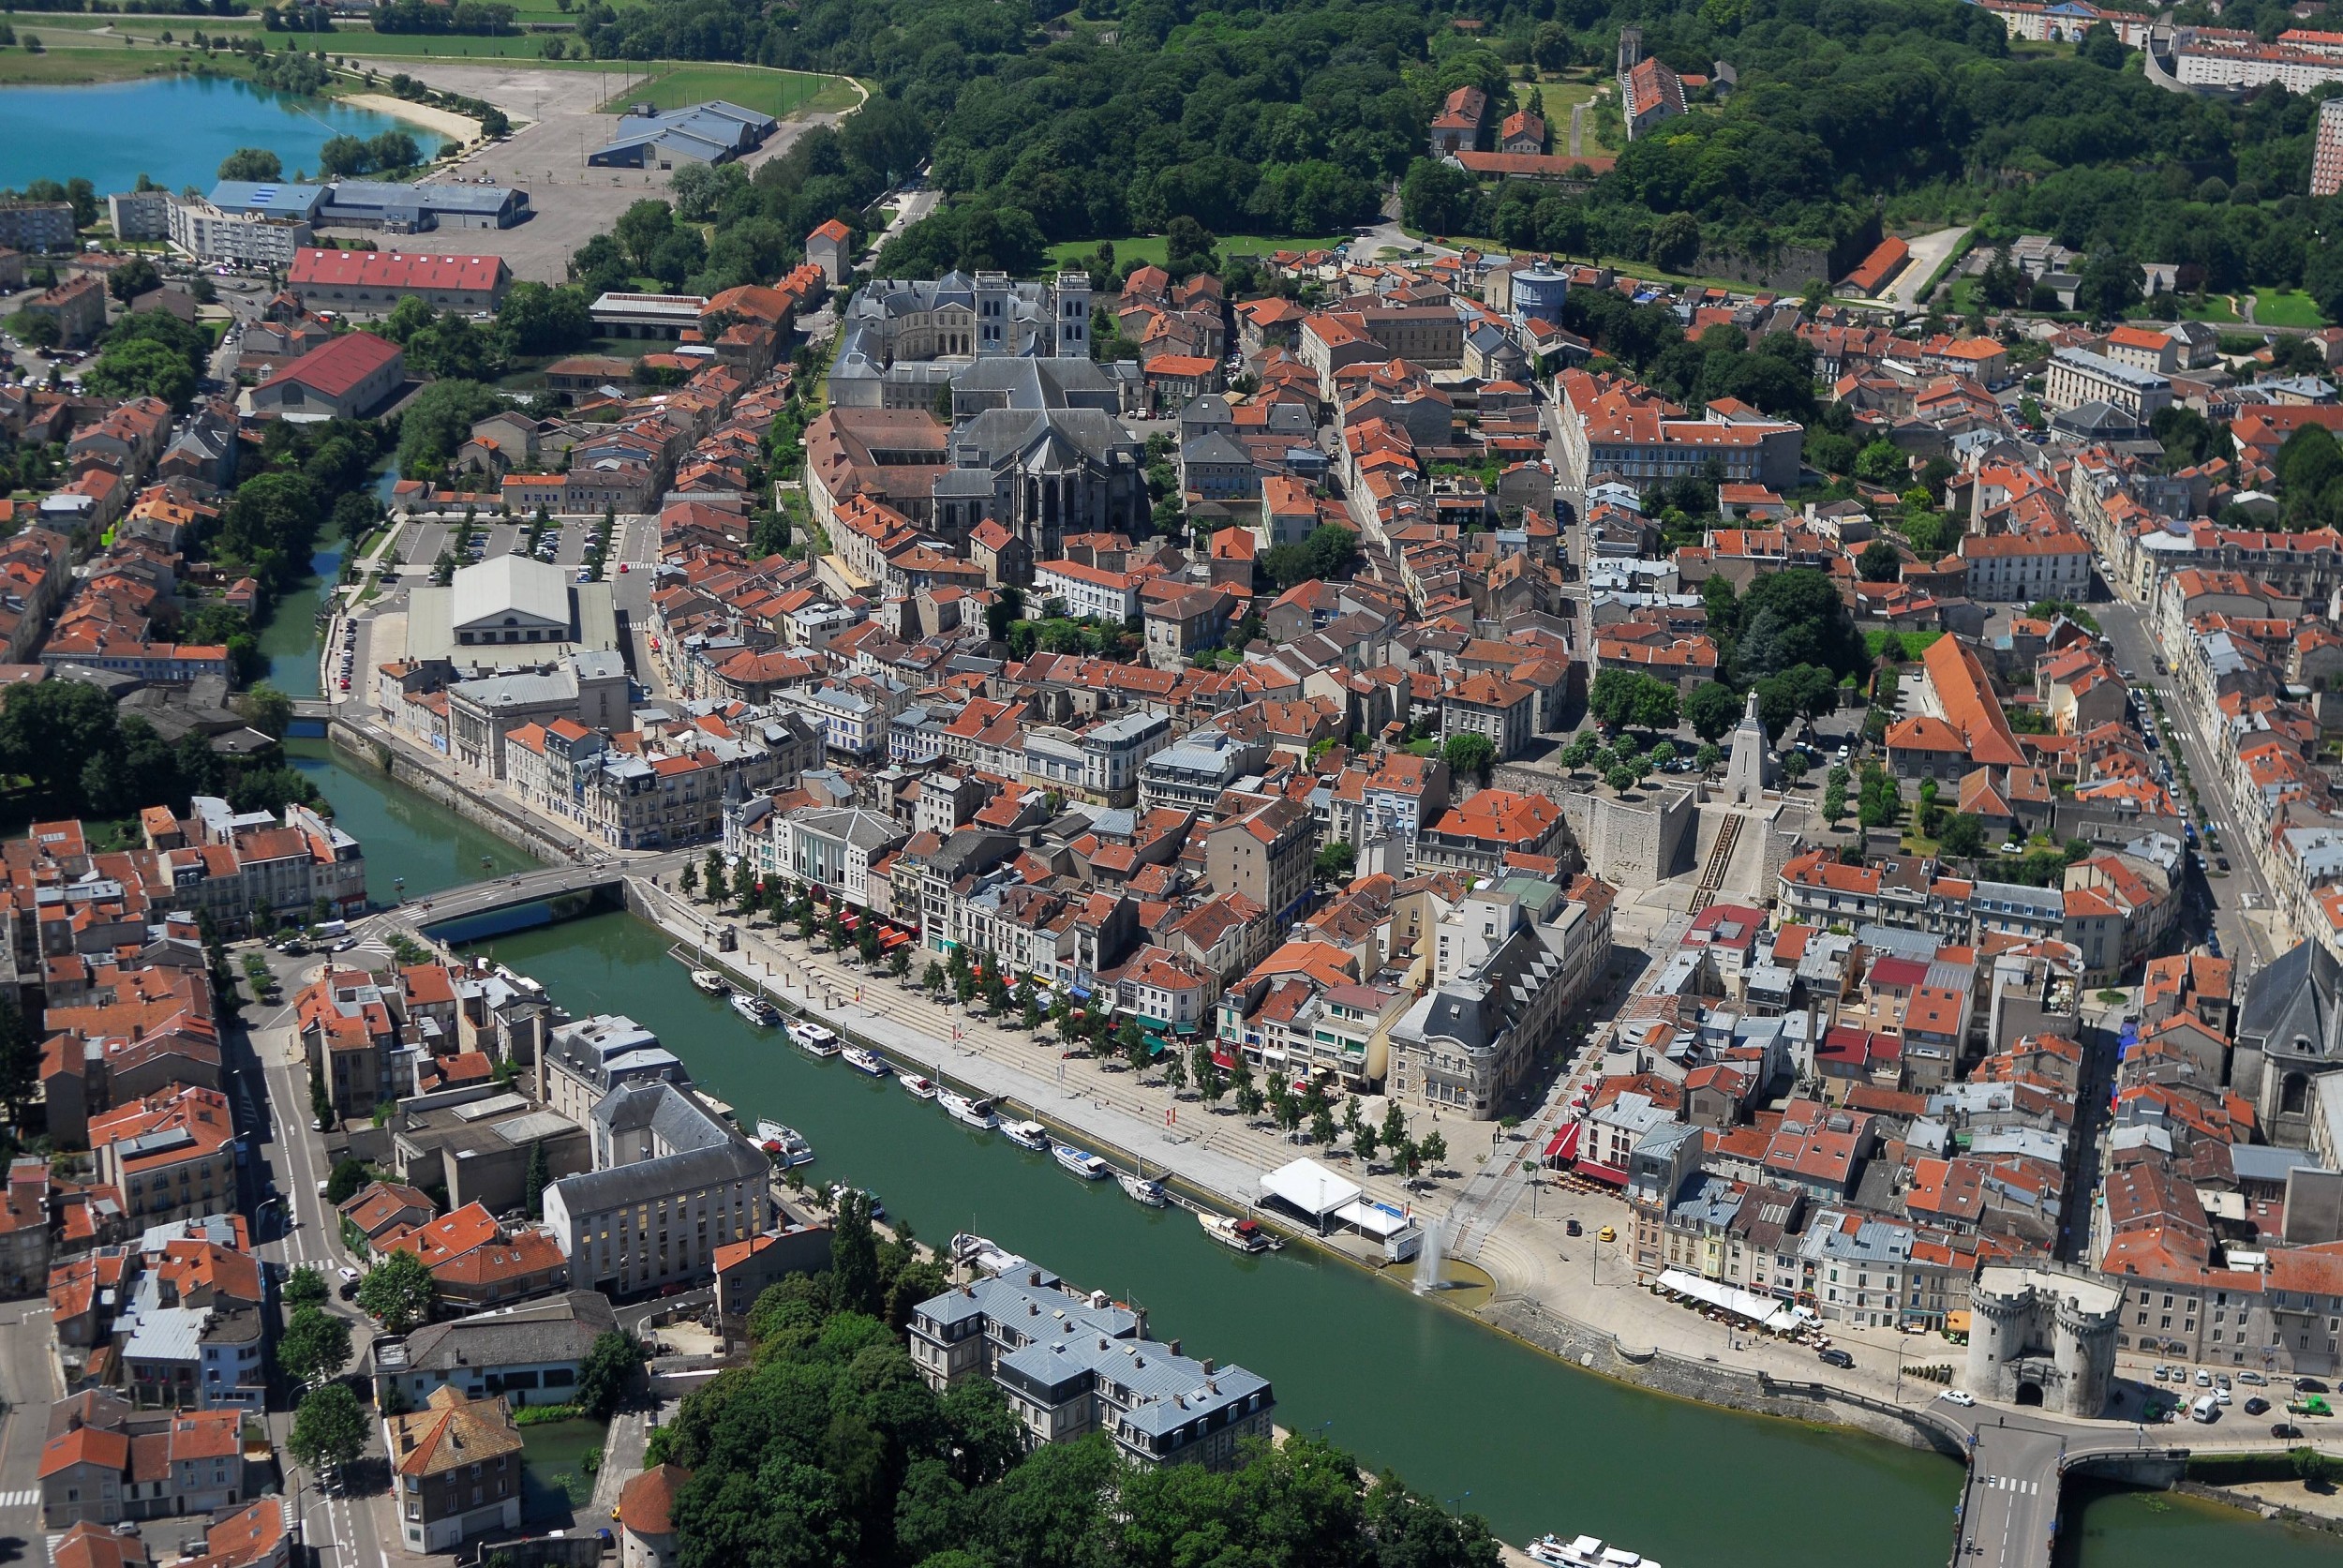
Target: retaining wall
(1713,1382)
(498,816)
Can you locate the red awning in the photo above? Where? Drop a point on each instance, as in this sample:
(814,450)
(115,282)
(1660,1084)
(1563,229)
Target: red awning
(1563,1146)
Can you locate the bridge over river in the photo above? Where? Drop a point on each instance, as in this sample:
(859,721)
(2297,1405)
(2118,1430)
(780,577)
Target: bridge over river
(2019,1460)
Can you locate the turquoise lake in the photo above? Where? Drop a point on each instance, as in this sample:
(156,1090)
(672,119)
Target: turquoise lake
(174,129)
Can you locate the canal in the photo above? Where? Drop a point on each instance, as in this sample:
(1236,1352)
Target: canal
(1461,1412)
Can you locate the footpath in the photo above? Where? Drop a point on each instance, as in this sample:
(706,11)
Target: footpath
(1574,1296)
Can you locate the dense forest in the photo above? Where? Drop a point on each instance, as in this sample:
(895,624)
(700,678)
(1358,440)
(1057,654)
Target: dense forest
(1124,114)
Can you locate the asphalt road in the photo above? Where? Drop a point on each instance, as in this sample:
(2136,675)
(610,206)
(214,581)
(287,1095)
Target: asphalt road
(2137,649)
(28,1382)
(2010,1506)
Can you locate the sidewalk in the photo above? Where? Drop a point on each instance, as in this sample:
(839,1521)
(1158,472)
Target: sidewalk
(1529,1254)
(1222,1153)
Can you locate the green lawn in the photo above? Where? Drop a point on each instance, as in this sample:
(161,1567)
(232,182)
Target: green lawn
(2216,307)
(63,67)
(1914,643)
(1132,249)
(777,92)
(2286,307)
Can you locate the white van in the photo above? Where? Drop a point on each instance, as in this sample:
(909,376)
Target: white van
(2207,1409)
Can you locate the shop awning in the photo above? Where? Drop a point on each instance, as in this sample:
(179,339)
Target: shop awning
(1765,1311)
(1563,1145)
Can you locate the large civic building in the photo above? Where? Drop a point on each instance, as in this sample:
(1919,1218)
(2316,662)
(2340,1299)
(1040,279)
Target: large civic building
(509,613)
(373,282)
(901,339)
(672,1182)
(711,132)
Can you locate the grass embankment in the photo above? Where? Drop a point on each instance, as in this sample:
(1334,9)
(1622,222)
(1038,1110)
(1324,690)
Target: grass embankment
(1134,249)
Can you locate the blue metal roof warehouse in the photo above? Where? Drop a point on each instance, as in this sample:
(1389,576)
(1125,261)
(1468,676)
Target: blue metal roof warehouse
(709,132)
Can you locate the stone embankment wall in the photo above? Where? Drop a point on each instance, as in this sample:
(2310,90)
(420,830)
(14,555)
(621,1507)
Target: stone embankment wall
(1713,1382)
(498,815)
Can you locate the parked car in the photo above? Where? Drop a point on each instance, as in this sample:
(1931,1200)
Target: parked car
(2253,1379)
(2205,1379)
(1572,1227)
(2309,1385)
(2163,1373)
(1834,1357)
(2256,1405)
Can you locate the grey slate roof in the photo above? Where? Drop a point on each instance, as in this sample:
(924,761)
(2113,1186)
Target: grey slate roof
(562,1328)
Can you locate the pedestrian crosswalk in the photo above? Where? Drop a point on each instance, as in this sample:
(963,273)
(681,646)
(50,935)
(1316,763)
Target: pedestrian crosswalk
(2011,1484)
(24,1499)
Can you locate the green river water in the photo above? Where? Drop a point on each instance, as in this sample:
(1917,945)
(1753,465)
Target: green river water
(1461,1412)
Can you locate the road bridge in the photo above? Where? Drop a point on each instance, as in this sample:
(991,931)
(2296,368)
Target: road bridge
(2017,1465)
(527,899)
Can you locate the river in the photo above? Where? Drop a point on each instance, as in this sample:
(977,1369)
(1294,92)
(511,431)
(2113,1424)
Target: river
(1461,1412)
(173,129)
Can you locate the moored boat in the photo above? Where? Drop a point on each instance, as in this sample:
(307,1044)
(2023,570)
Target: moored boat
(756,1008)
(1585,1551)
(975,1113)
(1031,1135)
(1089,1167)
(813,1039)
(784,1144)
(916,1086)
(710,980)
(1242,1235)
(1143,1188)
(863,1059)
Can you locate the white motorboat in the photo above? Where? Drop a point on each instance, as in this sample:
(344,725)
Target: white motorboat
(975,1113)
(784,1144)
(1089,1167)
(863,1059)
(1242,1235)
(813,1039)
(916,1086)
(1030,1135)
(710,980)
(983,1254)
(1585,1551)
(756,1008)
(1143,1188)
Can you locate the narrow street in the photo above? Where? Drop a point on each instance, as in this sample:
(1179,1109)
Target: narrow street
(2243,939)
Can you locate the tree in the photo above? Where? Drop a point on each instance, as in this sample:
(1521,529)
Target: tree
(132,279)
(1962,837)
(1706,759)
(1881,462)
(933,980)
(1335,863)
(535,1179)
(19,1060)
(303,1287)
(854,1262)
(1174,1071)
(1712,709)
(1621,779)
(713,876)
(688,881)
(142,367)
(329,1431)
(266,710)
(314,1347)
(348,1176)
(1663,754)
(1580,751)
(1623,698)
(1794,766)
(1395,1129)
(1880,562)
(397,1292)
(1469,755)
(252,163)
(607,1374)
(2108,285)
(1333,550)
(1322,1122)
(1796,617)
(1211,1084)
(1249,1099)
(1434,1148)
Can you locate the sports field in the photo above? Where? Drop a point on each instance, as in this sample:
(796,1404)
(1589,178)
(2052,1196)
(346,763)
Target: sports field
(777,92)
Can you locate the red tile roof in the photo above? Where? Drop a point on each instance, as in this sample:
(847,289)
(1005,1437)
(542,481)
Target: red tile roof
(397,271)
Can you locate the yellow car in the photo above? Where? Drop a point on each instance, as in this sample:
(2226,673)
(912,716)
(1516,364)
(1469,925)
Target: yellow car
(1606,1233)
